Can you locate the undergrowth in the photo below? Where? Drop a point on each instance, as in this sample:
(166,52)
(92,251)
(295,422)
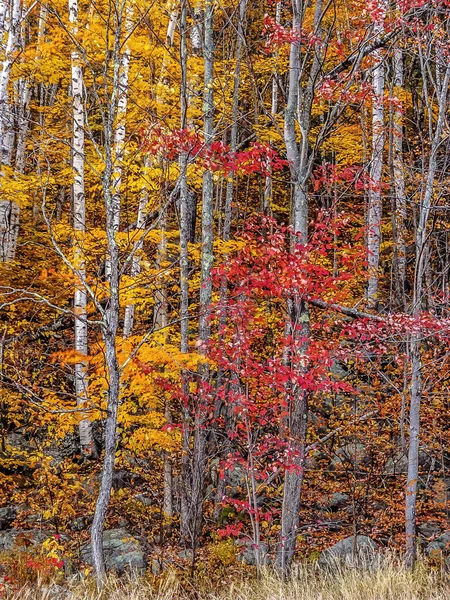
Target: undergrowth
(389,582)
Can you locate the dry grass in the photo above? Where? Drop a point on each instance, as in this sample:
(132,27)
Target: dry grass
(390,582)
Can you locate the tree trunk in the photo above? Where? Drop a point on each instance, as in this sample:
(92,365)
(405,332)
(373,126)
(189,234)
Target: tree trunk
(298,113)
(415,353)
(399,184)
(376,167)
(110,321)
(9,211)
(193,470)
(268,188)
(9,229)
(120,130)
(79,225)
(136,260)
(6,120)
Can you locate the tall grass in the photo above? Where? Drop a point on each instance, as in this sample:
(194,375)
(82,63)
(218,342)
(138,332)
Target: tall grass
(390,582)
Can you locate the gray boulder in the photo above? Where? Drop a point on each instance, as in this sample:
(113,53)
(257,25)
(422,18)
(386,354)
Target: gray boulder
(429,529)
(439,546)
(249,553)
(121,552)
(338,500)
(7,515)
(349,456)
(398,465)
(343,553)
(16,539)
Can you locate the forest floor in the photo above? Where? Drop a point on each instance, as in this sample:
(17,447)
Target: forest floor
(388,583)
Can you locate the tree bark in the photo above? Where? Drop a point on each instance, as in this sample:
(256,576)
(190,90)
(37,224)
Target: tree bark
(399,183)
(300,156)
(79,226)
(9,211)
(193,473)
(6,119)
(376,166)
(415,351)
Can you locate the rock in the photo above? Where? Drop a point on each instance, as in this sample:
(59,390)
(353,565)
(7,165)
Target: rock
(338,369)
(429,529)
(187,555)
(398,465)
(439,546)
(351,455)
(158,566)
(15,539)
(67,447)
(249,553)
(121,551)
(125,479)
(343,553)
(338,500)
(235,480)
(7,515)
(144,500)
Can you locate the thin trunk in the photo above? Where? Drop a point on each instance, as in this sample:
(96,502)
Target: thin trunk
(376,167)
(128,322)
(9,229)
(79,225)
(173,19)
(12,45)
(298,113)
(23,120)
(110,321)
(226,232)
(234,117)
(9,211)
(194,470)
(399,183)
(184,285)
(120,130)
(3,11)
(415,352)
(268,187)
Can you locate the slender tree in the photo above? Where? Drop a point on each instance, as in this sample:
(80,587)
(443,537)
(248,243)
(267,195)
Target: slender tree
(79,225)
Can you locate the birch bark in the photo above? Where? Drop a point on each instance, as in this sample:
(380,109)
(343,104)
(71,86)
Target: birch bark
(79,225)
(9,211)
(110,323)
(120,129)
(374,211)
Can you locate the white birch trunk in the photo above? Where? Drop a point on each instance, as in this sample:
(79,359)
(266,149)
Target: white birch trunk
(120,133)
(171,28)
(128,322)
(196,33)
(79,226)
(9,229)
(3,11)
(9,211)
(23,120)
(376,167)
(6,137)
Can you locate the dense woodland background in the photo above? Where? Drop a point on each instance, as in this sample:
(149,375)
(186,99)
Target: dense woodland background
(224,278)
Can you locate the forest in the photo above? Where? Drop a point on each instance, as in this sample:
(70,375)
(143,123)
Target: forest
(224,294)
